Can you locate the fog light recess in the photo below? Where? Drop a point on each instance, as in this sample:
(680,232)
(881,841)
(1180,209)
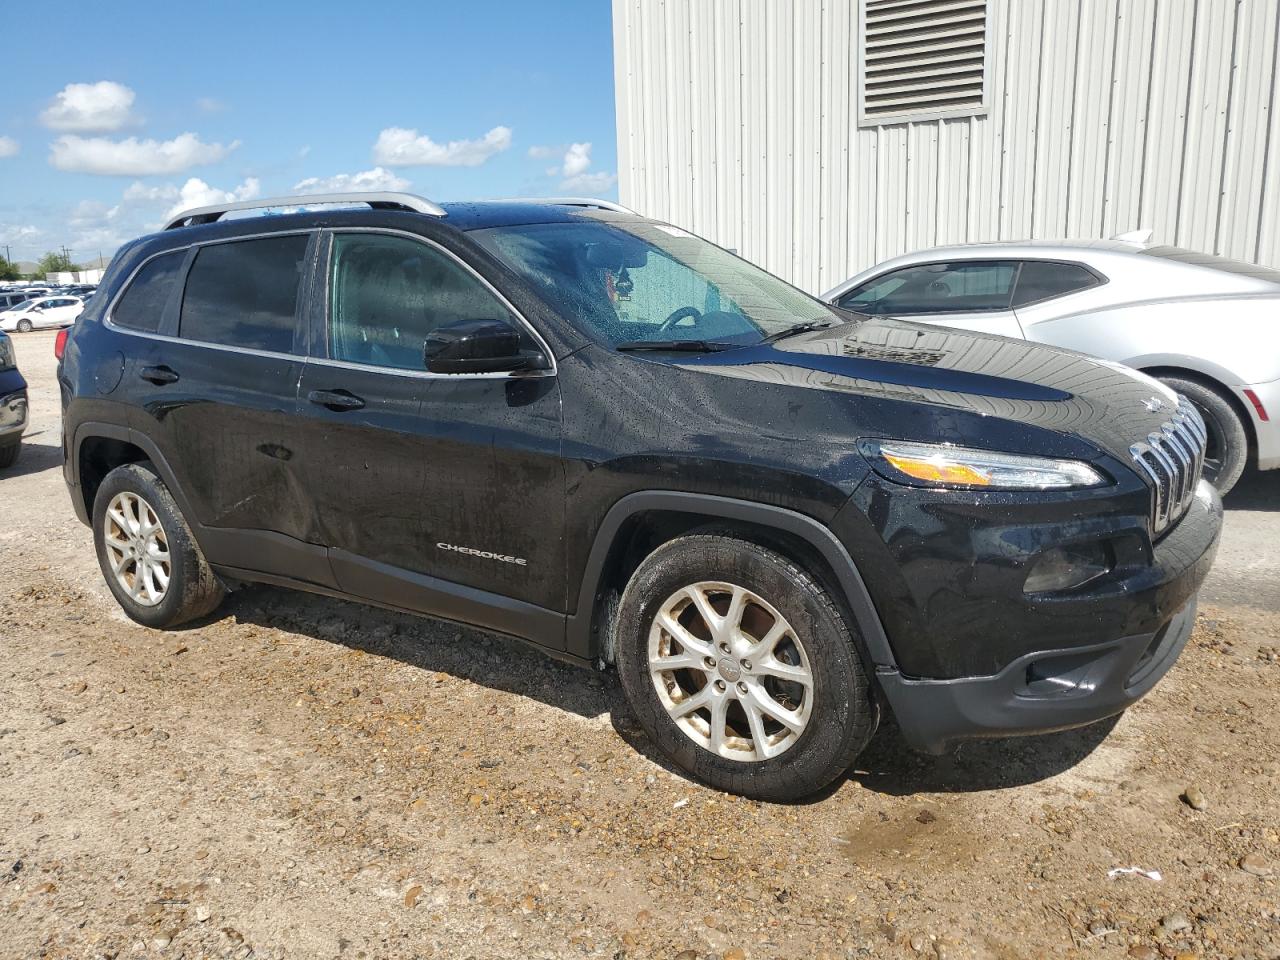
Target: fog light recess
(1068,568)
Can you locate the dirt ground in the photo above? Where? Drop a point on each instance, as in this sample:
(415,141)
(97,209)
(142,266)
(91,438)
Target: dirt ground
(302,777)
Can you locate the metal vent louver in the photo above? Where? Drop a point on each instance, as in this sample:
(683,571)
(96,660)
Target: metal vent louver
(923,57)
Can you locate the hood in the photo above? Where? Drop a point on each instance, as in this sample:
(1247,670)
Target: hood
(1101,402)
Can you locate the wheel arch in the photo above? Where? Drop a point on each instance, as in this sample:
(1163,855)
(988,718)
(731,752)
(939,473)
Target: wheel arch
(1215,384)
(641,521)
(99,448)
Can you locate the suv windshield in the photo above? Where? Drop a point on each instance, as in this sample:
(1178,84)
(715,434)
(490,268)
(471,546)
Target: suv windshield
(633,281)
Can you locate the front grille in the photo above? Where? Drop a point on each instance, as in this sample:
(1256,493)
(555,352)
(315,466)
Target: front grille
(1172,459)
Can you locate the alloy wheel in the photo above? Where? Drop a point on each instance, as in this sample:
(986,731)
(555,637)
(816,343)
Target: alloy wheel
(137,548)
(730,671)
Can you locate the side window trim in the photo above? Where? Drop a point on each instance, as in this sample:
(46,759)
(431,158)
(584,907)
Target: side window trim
(320,316)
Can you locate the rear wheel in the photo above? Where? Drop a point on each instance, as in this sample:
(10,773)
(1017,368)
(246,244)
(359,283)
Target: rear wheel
(1228,442)
(741,669)
(148,556)
(24,326)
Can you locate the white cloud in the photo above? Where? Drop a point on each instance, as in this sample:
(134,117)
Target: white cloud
(196,193)
(589,182)
(139,192)
(211,104)
(379,178)
(576,159)
(8,147)
(134,157)
(544,152)
(398,147)
(90,107)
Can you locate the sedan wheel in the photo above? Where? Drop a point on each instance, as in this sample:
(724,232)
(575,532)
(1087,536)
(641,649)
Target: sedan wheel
(24,326)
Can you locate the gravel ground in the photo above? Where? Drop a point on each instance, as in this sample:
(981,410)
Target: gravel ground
(302,777)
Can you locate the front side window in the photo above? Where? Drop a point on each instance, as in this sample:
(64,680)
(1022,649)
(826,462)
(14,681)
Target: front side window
(629,281)
(142,306)
(245,293)
(959,287)
(387,293)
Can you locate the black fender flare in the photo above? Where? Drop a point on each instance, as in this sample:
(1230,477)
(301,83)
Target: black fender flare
(113,431)
(580,627)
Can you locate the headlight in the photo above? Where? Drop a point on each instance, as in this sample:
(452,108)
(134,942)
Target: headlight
(6,353)
(944,465)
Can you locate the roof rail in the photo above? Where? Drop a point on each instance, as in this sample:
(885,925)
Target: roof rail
(377,200)
(576,202)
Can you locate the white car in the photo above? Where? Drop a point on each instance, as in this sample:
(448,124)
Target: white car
(1204,325)
(42,314)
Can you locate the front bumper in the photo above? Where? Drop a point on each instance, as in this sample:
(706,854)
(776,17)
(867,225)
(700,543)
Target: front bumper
(1038,693)
(1098,673)
(13,406)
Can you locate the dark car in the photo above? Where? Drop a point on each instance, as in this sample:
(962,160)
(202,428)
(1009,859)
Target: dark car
(629,447)
(13,404)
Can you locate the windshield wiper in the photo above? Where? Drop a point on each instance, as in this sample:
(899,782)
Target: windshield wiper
(797,328)
(683,346)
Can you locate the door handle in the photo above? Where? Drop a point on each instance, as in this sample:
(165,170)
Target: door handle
(159,375)
(335,400)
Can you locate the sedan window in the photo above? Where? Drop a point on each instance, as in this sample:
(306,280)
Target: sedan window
(1040,280)
(959,287)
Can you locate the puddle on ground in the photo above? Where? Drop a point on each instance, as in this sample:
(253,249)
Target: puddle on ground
(921,833)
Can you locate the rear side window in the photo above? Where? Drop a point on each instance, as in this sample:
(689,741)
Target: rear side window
(142,306)
(957,287)
(245,293)
(1041,280)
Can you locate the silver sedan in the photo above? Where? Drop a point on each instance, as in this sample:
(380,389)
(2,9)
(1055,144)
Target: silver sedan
(1206,326)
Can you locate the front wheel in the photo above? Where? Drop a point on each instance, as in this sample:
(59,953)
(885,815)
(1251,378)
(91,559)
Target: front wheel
(151,562)
(9,454)
(1227,449)
(741,668)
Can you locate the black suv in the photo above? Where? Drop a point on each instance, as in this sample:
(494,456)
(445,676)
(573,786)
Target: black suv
(610,438)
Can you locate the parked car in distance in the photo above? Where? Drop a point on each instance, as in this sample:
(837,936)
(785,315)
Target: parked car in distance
(605,436)
(13,404)
(41,314)
(11,299)
(1204,325)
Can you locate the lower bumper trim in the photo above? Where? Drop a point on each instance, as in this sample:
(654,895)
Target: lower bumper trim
(1040,692)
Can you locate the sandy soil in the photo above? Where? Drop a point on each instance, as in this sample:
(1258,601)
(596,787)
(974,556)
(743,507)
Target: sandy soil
(302,777)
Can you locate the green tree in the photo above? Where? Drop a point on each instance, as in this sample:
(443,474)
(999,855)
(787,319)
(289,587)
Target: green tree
(8,271)
(53,262)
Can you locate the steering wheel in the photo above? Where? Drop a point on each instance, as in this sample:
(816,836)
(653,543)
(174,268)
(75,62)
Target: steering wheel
(678,315)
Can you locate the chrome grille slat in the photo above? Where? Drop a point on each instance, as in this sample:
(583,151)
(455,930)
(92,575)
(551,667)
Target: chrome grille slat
(1172,459)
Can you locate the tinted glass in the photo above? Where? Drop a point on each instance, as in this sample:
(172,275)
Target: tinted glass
(635,281)
(245,293)
(387,293)
(960,287)
(143,302)
(1041,280)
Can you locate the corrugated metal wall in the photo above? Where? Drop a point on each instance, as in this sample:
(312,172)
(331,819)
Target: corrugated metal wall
(738,119)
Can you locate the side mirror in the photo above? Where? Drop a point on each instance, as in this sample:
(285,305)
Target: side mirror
(477,346)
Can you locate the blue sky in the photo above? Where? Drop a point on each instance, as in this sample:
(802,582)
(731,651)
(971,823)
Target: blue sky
(135,109)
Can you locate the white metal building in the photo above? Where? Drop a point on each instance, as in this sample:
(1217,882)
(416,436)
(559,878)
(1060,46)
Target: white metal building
(817,137)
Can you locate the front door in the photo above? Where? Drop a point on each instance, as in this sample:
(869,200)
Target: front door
(427,483)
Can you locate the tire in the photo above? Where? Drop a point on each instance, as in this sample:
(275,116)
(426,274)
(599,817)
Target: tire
(1228,449)
(9,454)
(192,590)
(784,764)
(24,326)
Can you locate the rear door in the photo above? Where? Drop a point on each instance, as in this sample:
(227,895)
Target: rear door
(971,294)
(453,477)
(217,393)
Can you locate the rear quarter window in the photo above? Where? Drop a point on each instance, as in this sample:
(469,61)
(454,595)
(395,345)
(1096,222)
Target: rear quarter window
(1040,280)
(244,293)
(141,307)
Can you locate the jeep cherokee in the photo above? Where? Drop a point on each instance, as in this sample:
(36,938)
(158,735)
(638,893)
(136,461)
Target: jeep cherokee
(603,435)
